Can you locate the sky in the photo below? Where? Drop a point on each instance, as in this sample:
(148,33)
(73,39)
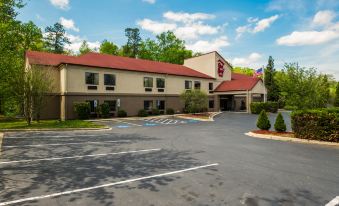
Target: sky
(244,32)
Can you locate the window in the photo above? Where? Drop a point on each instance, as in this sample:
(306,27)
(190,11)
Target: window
(92,78)
(93,105)
(197,84)
(160,83)
(112,105)
(161,104)
(188,84)
(148,104)
(211,104)
(109,79)
(210,86)
(148,82)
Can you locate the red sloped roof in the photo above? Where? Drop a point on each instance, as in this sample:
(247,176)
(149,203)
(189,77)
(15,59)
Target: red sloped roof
(114,62)
(239,82)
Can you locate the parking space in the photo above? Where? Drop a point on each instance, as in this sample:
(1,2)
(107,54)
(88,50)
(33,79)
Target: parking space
(171,164)
(146,122)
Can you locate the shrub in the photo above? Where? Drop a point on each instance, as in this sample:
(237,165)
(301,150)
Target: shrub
(279,124)
(103,110)
(155,111)
(122,113)
(263,122)
(82,109)
(320,124)
(257,107)
(170,111)
(142,113)
(195,100)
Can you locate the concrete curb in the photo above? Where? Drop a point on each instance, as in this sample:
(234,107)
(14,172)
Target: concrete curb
(64,129)
(1,138)
(289,139)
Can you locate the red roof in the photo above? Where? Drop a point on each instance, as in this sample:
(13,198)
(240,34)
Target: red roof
(113,62)
(239,82)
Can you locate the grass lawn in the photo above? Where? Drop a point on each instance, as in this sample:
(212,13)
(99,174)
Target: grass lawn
(47,124)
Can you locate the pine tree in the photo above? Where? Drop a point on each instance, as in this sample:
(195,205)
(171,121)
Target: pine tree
(56,38)
(336,100)
(263,122)
(279,124)
(272,90)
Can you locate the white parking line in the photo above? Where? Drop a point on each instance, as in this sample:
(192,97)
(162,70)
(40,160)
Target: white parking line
(104,185)
(82,156)
(59,144)
(334,202)
(55,136)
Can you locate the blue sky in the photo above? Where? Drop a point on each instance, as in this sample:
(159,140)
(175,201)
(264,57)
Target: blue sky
(245,32)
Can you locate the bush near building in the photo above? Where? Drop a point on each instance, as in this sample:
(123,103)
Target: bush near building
(122,113)
(155,111)
(142,113)
(103,110)
(317,124)
(170,111)
(257,107)
(195,101)
(279,124)
(263,122)
(82,109)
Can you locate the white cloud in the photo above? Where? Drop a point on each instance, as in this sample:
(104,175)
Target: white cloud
(156,27)
(149,1)
(187,17)
(207,46)
(68,24)
(298,38)
(76,42)
(255,25)
(264,23)
(328,32)
(193,31)
(62,4)
(250,61)
(323,17)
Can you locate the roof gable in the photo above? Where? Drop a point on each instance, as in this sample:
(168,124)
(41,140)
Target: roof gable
(239,82)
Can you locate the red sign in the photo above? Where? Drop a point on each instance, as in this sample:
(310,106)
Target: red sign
(221,68)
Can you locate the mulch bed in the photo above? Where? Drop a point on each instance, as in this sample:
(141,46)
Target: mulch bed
(275,133)
(198,115)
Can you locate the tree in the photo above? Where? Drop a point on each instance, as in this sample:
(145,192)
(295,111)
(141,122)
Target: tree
(84,48)
(336,100)
(149,49)
(131,49)
(107,47)
(272,91)
(56,38)
(31,36)
(172,49)
(243,70)
(263,122)
(195,100)
(279,124)
(33,87)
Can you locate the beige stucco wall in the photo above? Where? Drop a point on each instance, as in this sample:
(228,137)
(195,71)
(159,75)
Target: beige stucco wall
(204,63)
(259,88)
(51,72)
(127,82)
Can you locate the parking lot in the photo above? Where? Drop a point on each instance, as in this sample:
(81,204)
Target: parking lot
(197,163)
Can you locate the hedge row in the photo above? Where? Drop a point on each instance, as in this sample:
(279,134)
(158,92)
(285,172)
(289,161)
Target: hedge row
(321,124)
(257,107)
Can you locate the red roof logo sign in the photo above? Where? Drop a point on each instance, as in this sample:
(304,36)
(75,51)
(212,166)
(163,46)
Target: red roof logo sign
(221,69)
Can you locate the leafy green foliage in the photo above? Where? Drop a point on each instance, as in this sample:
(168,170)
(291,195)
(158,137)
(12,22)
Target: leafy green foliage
(84,48)
(320,124)
(271,87)
(131,49)
(263,122)
(302,87)
(122,113)
(195,101)
(107,47)
(47,124)
(56,38)
(103,110)
(82,109)
(142,113)
(243,70)
(155,111)
(336,99)
(279,124)
(257,107)
(170,111)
